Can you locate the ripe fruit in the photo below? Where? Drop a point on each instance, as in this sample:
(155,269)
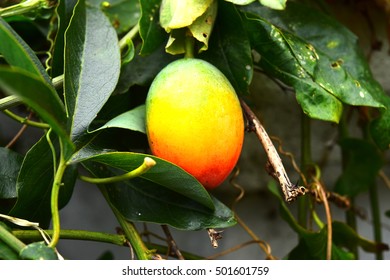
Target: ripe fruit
(194,119)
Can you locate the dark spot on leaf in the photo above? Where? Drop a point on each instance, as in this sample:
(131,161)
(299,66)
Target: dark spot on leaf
(337,63)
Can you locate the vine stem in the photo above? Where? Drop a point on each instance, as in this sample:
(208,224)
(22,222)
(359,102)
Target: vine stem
(23,7)
(54,200)
(142,252)
(26,121)
(73,234)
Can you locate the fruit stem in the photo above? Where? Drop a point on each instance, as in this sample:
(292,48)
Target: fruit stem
(189,46)
(143,168)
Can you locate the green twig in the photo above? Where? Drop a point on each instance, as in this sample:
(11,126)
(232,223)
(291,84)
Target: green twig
(144,167)
(142,252)
(25,121)
(34,235)
(124,42)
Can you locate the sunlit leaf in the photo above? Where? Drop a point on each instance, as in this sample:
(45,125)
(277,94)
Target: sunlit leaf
(132,120)
(322,72)
(274,4)
(92,66)
(176,14)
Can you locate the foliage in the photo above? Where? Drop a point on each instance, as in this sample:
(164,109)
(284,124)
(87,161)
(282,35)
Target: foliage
(85,76)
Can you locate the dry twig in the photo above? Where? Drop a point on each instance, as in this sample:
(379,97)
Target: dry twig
(172,243)
(275,167)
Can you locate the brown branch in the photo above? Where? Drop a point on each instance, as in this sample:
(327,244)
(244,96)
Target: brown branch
(171,243)
(323,195)
(275,166)
(233,249)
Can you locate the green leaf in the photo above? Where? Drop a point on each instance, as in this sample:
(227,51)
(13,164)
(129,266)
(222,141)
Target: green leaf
(229,36)
(142,200)
(37,94)
(274,4)
(64,12)
(152,34)
(142,70)
(9,169)
(313,248)
(279,61)
(92,66)
(175,14)
(38,251)
(123,14)
(319,51)
(34,184)
(164,174)
(312,244)
(363,163)
(345,236)
(132,120)
(17,53)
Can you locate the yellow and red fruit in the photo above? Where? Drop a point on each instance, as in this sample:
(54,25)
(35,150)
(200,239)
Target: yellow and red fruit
(194,120)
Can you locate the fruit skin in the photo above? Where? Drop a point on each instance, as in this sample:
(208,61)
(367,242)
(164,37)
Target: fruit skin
(194,119)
